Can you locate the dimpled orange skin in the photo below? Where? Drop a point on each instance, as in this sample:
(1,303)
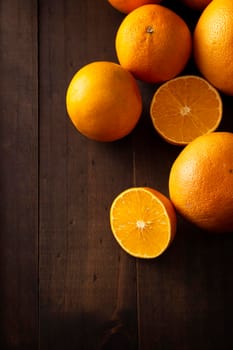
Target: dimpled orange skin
(153,43)
(126,6)
(213,44)
(103,101)
(201,182)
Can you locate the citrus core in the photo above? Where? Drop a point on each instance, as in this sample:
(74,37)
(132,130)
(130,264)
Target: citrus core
(184,108)
(143,221)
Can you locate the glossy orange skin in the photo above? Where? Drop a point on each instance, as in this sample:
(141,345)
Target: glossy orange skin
(126,6)
(153,43)
(213,48)
(103,101)
(201,182)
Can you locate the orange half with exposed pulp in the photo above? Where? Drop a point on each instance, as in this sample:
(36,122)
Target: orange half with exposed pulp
(143,222)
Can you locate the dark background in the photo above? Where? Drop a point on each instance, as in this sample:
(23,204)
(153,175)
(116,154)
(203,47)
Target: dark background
(64,281)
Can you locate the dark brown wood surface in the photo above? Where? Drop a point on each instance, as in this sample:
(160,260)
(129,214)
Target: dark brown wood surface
(64,281)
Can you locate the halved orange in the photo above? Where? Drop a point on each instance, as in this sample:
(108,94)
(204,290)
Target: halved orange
(143,221)
(184,108)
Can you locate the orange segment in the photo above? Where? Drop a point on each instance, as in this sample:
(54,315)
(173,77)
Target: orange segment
(143,222)
(185,108)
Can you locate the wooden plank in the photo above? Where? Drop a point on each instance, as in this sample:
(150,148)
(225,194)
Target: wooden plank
(185,295)
(91,293)
(18,178)
(190,298)
(87,284)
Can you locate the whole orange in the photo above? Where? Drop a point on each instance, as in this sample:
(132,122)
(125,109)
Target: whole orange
(196,4)
(201,182)
(153,43)
(213,44)
(103,101)
(127,6)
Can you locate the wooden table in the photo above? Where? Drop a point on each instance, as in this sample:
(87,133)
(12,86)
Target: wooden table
(64,281)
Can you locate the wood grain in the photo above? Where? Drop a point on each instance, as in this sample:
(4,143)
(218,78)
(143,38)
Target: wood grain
(65,282)
(19,175)
(82,276)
